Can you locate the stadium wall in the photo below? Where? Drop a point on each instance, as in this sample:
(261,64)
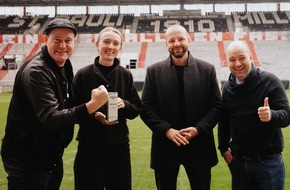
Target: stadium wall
(158,37)
(8,40)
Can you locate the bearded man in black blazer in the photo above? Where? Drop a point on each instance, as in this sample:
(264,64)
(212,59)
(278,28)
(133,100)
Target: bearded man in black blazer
(181,104)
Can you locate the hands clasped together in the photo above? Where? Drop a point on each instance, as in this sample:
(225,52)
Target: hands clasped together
(181,137)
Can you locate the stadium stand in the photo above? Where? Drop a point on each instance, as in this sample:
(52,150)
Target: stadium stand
(267,33)
(23,49)
(278,61)
(94,23)
(21,24)
(263,21)
(2,46)
(157,24)
(202,50)
(84,54)
(156,52)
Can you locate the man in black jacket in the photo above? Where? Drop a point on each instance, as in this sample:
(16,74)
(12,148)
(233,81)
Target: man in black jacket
(255,108)
(181,104)
(42,115)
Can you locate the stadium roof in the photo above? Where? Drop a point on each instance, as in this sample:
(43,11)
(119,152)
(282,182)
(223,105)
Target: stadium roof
(123,2)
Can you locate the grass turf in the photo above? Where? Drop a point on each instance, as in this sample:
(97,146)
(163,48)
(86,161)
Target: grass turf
(142,175)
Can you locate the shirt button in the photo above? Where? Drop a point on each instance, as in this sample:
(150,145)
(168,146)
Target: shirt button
(107,86)
(50,172)
(54,165)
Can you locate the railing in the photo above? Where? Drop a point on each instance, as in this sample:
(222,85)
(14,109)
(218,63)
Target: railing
(6,88)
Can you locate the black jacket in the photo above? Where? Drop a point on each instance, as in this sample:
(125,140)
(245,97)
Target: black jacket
(118,80)
(40,118)
(159,110)
(240,128)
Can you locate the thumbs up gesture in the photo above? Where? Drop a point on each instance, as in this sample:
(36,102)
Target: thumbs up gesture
(264,112)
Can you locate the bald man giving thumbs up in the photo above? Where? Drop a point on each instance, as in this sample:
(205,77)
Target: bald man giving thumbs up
(255,108)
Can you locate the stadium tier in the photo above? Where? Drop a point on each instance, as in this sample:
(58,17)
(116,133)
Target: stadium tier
(144,40)
(93,23)
(263,21)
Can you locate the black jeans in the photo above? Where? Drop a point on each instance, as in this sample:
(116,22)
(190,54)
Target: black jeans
(199,178)
(98,167)
(21,177)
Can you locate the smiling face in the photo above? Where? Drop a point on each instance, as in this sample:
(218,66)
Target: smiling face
(60,44)
(177,41)
(240,59)
(109,44)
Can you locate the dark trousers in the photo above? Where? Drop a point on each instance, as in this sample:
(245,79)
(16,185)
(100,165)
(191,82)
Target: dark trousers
(262,173)
(199,178)
(99,167)
(21,177)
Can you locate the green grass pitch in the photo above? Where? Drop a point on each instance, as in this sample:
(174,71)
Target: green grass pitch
(142,175)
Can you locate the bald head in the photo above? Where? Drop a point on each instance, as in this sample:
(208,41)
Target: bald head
(242,45)
(175,28)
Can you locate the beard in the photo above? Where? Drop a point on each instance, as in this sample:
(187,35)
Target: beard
(178,54)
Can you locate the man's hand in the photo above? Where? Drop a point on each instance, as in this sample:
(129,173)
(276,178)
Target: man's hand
(228,157)
(99,97)
(175,136)
(189,132)
(265,111)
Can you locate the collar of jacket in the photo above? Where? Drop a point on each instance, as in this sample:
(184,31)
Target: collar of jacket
(250,82)
(51,63)
(190,61)
(115,65)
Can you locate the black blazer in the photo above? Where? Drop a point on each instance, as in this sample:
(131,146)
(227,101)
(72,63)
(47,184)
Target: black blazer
(159,110)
